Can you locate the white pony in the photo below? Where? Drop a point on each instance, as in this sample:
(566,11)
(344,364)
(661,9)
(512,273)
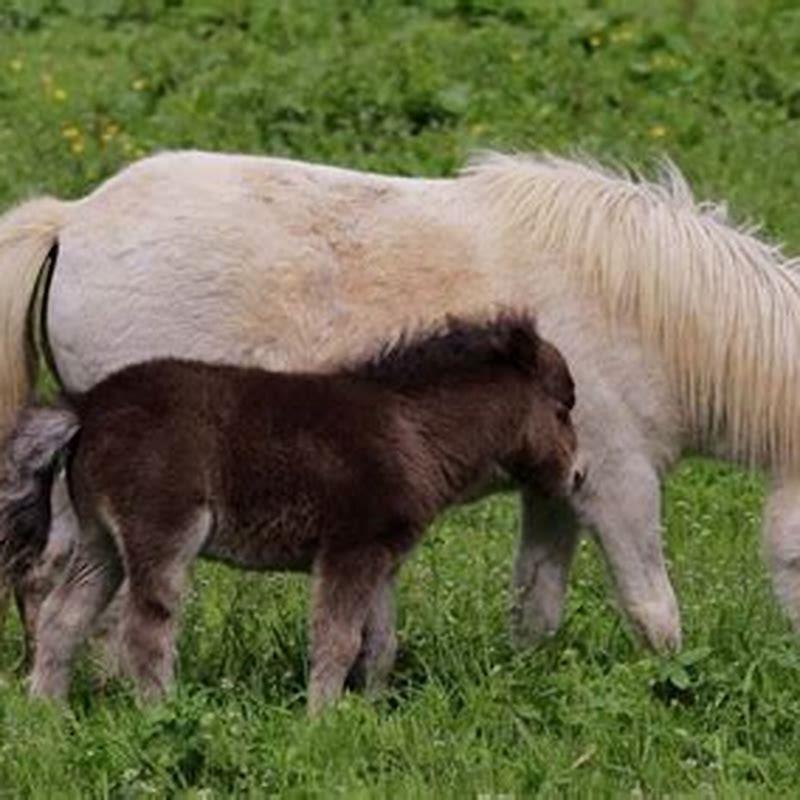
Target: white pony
(682,331)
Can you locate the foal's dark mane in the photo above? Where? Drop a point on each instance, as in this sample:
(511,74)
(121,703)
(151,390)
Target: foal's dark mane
(459,346)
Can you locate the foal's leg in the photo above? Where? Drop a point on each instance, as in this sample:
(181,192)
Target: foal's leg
(344,588)
(70,610)
(781,540)
(31,593)
(547,544)
(621,500)
(107,640)
(378,644)
(157,574)
(42,577)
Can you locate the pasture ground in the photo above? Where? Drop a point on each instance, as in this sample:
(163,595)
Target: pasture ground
(413,87)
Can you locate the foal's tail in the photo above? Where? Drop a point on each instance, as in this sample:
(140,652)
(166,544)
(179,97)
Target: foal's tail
(27,234)
(26,475)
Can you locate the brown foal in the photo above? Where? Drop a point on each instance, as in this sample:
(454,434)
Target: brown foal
(338,474)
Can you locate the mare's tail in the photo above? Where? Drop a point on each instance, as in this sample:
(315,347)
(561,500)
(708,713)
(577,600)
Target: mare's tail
(26,475)
(27,234)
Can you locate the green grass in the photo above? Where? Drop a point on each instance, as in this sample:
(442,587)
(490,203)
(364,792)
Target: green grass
(413,87)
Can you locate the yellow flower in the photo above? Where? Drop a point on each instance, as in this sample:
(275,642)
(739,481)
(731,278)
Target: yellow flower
(77,146)
(139,84)
(70,132)
(59,95)
(109,132)
(15,65)
(658,131)
(664,61)
(595,40)
(621,35)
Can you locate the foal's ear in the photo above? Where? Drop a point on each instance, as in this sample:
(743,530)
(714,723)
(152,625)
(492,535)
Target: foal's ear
(523,346)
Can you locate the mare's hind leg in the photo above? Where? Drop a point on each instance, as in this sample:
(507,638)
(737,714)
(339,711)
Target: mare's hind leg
(781,539)
(378,644)
(157,572)
(344,587)
(546,548)
(92,576)
(621,500)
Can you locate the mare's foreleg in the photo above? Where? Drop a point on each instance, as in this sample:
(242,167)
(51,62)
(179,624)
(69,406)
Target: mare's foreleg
(344,588)
(781,539)
(545,552)
(69,612)
(621,501)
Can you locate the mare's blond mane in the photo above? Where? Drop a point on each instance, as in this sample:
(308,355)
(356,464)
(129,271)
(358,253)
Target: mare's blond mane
(721,304)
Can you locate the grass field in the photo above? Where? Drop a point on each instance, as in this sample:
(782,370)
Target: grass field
(413,87)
